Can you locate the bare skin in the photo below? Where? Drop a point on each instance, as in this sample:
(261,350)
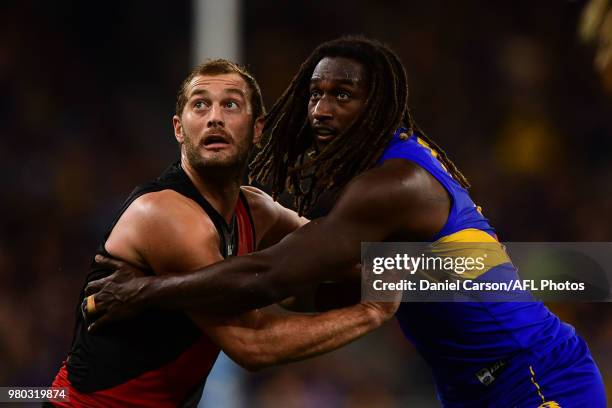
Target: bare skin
(167,232)
(397,201)
(337,97)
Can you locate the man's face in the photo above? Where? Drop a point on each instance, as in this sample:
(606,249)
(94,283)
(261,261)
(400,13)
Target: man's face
(338,93)
(216,128)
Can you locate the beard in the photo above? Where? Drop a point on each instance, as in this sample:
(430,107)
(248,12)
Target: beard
(218,161)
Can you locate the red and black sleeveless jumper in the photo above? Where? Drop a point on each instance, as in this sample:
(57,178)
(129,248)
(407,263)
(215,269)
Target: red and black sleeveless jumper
(160,358)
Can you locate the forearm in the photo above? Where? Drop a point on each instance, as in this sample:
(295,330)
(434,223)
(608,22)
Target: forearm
(230,287)
(285,339)
(246,282)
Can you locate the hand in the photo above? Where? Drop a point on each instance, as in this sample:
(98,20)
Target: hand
(116,297)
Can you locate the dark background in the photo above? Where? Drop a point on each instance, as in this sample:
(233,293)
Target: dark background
(87,96)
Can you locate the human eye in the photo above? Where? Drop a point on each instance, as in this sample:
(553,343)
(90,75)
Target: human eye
(315,94)
(343,95)
(199,104)
(231,104)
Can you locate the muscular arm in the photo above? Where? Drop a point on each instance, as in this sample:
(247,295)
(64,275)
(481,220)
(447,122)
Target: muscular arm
(258,339)
(398,199)
(273,222)
(166,231)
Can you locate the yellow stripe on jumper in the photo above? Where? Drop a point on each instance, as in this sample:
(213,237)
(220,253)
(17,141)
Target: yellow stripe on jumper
(475,244)
(433,151)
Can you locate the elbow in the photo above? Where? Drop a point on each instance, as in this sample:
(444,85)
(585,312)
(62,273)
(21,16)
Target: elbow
(251,367)
(250,351)
(253,360)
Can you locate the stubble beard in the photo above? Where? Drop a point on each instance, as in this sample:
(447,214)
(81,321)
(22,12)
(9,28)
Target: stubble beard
(220,162)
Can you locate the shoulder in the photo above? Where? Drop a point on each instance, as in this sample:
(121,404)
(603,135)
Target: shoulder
(264,209)
(272,221)
(169,210)
(257,199)
(261,204)
(399,192)
(158,223)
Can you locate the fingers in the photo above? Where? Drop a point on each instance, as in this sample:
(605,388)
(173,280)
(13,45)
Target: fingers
(96,307)
(110,263)
(104,312)
(107,262)
(95,327)
(84,310)
(95,286)
(89,307)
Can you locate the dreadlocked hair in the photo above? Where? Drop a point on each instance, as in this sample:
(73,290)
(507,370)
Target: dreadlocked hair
(287,136)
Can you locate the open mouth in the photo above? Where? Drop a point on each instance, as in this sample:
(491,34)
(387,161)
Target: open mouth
(215,142)
(324,134)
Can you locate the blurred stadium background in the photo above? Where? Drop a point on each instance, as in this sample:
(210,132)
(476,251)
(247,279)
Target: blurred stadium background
(88,92)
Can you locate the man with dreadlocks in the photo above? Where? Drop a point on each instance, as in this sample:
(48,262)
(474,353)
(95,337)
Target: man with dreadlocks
(343,124)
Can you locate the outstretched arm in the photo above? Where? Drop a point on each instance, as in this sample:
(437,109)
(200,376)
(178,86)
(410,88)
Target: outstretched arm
(258,339)
(398,196)
(166,231)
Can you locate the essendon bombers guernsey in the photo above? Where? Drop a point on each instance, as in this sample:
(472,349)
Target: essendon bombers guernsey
(160,358)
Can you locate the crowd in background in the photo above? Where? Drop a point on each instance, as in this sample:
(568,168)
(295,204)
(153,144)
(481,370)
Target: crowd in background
(88,93)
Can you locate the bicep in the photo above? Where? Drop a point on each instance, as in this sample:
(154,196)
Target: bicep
(325,248)
(173,257)
(181,248)
(170,234)
(372,208)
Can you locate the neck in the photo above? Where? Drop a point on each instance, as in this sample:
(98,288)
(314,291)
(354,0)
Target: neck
(220,187)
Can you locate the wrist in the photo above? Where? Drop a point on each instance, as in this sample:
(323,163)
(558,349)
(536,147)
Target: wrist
(149,294)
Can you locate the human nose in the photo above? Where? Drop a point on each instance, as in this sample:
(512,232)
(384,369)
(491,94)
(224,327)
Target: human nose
(215,116)
(323,109)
